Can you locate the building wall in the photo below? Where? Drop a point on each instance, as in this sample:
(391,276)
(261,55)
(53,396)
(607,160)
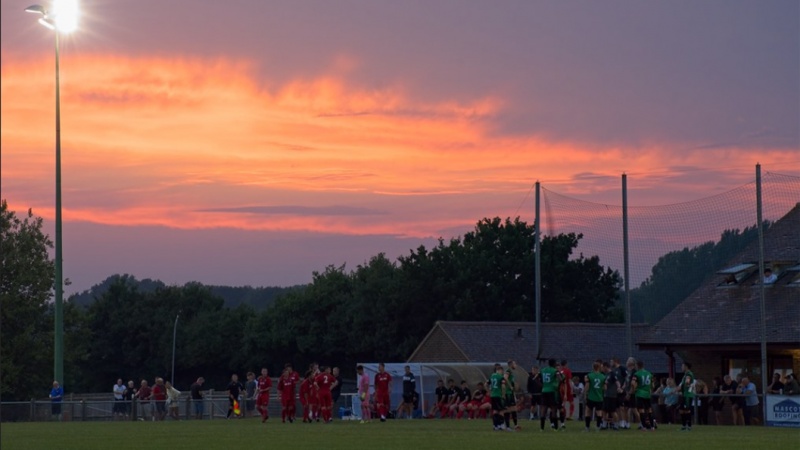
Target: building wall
(438,348)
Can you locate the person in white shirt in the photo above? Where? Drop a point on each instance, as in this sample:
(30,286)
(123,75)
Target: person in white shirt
(119,390)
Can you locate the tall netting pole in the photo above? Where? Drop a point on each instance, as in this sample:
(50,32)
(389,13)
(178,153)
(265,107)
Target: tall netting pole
(762,293)
(538,274)
(626,268)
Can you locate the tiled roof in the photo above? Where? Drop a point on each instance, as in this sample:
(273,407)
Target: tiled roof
(579,343)
(714,315)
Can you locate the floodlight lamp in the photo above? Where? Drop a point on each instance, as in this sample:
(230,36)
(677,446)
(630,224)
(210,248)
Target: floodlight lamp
(37,9)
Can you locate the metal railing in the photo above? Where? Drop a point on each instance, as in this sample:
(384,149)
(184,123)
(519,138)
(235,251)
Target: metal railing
(214,406)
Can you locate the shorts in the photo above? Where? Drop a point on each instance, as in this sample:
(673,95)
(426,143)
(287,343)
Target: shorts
(536,399)
(550,400)
(686,403)
(408,398)
(160,406)
(509,401)
(497,404)
(610,405)
(262,399)
(643,403)
(597,406)
(382,398)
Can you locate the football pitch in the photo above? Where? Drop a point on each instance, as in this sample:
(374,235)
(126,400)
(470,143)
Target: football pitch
(394,434)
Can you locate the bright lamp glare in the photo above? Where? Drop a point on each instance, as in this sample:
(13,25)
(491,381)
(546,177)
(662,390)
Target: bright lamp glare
(65,15)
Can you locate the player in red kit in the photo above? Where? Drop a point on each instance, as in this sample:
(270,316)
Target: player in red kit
(286,386)
(262,399)
(323,383)
(305,396)
(383,390)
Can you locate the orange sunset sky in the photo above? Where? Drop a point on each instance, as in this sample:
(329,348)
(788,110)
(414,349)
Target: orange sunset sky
(257,141)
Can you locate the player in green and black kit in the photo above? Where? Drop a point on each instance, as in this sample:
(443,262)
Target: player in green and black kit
(595,382)
(510,399)
(686,388)
(642,383)
(551,378)
(497,388)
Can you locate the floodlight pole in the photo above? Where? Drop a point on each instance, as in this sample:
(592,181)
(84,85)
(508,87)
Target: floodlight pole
(58,282)
(174,335)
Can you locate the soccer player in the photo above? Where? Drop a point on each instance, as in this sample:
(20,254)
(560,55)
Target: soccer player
(595,382)
(363,394)
(305,396)
(286,385)
(464,399)
(497,387)
(383,391)
(409,388)
(323,383)
(441,401)
(510,400)
(479,396)
(642,384)
(568,395)
(622,403)
(610,397)
(452,398)
(686,388)
(263,386)
(551,378)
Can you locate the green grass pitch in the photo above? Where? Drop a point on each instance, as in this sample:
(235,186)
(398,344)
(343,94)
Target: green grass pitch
(394,434)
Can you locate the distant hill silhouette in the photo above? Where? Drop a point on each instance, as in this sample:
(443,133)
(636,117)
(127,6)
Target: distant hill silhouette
(259,298)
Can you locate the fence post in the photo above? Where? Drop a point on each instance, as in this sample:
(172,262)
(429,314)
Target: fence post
(83,410)
(211,396)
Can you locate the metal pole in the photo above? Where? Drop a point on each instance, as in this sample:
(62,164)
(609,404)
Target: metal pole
(58,348)
(174,335)
(628,326)
(538,275)
(762,294)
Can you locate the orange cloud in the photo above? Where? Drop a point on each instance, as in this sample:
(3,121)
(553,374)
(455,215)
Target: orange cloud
(155,141)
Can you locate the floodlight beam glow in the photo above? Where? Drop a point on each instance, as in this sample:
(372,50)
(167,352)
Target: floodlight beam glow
(65,14)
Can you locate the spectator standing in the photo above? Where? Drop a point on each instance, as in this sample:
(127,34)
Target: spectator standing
(130,391)
(658,395)
(56,396)
(791,387)
(716,400)
(159,395)
(701,400)
(173,398)
(196,393)
(728,388)
(750,400)
(738,405)
(143,395)
(671,398)
(118,410)
(776,387)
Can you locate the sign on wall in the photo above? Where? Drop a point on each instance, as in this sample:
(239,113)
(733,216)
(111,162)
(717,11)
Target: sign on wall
(783,411)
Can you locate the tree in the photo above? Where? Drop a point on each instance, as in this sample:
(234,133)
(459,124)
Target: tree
(679,273)
(26,281)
